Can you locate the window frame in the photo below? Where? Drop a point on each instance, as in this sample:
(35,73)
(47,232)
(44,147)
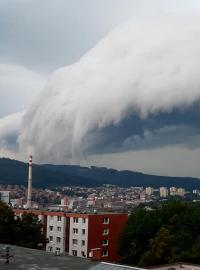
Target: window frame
(106,220)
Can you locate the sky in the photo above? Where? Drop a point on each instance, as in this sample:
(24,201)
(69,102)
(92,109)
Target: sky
(112,83)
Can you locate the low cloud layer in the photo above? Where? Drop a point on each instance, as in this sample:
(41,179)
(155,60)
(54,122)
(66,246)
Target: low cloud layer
(143,68)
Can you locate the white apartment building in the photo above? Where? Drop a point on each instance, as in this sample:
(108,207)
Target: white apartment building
(56,232)
(163,192)
(78,240)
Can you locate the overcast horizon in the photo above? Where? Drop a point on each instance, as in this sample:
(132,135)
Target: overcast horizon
(107,83)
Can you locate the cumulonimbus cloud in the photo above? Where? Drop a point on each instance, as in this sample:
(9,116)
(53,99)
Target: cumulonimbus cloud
(144,67)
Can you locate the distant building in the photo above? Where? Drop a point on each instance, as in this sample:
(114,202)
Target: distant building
(143,196)
(163,192)
(173,191)
(177,191)
(149,191)
(5,196)
(181,192)
(64,203)
(82,235)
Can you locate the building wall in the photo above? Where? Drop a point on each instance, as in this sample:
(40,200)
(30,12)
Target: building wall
(96,236)
(67,234)
(82,224)
(5,196)
(55,232)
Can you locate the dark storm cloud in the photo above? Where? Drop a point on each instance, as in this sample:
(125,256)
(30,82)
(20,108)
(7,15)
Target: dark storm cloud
(179,127)
(138,83)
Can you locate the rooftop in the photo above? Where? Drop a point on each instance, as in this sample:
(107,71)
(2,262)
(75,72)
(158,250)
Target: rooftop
(31,259)
(111,266)
(176,266)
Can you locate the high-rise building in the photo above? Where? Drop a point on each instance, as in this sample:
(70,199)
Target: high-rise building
(163,192)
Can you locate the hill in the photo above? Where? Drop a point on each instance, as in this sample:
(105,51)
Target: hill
(46,175)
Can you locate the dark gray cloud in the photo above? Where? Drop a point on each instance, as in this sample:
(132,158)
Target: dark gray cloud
(137,85)
(179,127)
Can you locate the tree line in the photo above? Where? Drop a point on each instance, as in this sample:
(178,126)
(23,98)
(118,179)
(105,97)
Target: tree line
(25,231)
(162,234)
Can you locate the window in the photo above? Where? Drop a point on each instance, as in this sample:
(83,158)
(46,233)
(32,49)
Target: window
(74,252)
(83,253)
(58,239)
(59,229)
(59,218)
(105,231)
(51,228)
(105,242)
(50,238)
(58,249)
(75,230)
(105,220)
(50,248)
(83,242)
(83,220)
(51,217)
(75,220)
(75,241)
(83,231)
(105,253)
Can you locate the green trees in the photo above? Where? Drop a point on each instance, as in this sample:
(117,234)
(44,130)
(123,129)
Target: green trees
(165,234)
(7,224)
(25,231)
(30,231)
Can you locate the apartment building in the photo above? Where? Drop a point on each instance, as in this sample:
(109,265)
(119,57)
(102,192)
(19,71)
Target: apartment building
(55,232)
(5,196)
(82,235)
(164,192)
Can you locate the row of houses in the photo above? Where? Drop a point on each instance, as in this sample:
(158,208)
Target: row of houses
(92,236)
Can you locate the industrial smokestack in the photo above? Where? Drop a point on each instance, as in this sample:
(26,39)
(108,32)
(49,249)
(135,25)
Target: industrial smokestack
(29,195)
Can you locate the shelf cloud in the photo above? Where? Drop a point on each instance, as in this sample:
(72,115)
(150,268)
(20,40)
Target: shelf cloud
(142,72)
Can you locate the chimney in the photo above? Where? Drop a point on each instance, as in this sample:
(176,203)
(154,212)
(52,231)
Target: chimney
(29,182)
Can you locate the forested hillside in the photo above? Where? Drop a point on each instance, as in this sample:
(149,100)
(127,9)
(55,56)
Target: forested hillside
(16,172)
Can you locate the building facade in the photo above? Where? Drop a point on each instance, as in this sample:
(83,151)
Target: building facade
(5,196)
(83,235)
(163,192)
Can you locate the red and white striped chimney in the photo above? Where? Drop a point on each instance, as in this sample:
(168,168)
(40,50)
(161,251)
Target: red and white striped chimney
(29,195)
